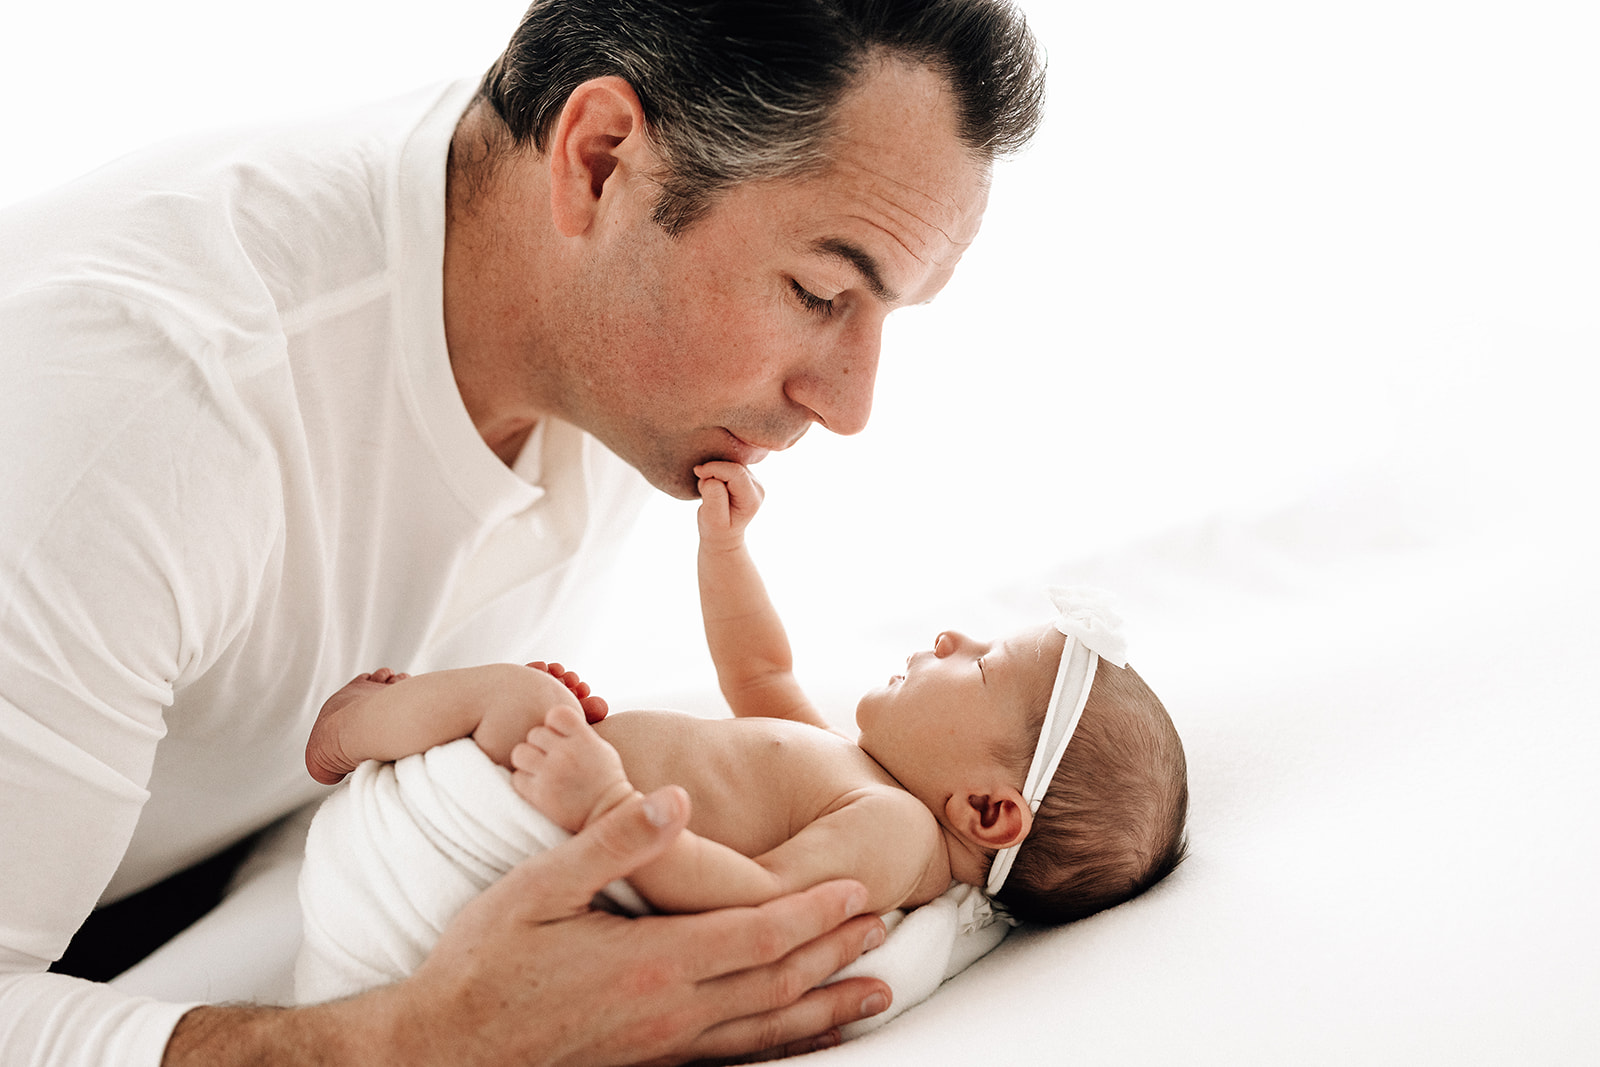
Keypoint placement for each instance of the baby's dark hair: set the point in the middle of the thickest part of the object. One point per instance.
(1111, 824)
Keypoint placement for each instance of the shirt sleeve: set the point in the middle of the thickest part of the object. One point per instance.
(126, 563)
(50, 1020)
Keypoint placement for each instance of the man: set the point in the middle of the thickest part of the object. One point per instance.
(285, 405)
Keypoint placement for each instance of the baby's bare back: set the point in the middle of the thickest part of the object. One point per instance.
(753, 783)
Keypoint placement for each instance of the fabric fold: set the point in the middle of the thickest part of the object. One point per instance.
(398, 850)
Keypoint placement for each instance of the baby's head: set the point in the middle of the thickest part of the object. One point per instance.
(1110, 823)
(976, 731)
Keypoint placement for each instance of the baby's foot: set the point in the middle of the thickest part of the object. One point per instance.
(324, 758)
(594, 708)
(567, 771)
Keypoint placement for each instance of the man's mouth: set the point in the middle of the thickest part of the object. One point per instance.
(772, 443)
(745, 452)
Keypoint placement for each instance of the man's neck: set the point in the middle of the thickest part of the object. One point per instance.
(488, 339)
(507, 441)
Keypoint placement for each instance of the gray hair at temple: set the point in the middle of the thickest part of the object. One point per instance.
(745, 90)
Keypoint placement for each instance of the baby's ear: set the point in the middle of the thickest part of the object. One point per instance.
(993, 820)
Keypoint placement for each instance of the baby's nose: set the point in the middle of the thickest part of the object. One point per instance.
(957, 640)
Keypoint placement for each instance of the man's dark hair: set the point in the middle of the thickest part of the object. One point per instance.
(742, 90)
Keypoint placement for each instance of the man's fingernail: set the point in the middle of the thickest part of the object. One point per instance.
(874, 938)
(874, 1004)
(657, 810)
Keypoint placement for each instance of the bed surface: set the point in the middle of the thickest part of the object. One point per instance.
(1395, 830)
(1387, 693)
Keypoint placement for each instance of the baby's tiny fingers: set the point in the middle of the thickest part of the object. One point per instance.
(525, 757)
(542, 739)
(526, 786)
(564, 721)
(713, 491)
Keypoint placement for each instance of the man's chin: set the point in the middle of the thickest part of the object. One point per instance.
(677, 482)
(676, 486)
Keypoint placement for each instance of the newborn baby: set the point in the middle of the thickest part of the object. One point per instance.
(962, 771)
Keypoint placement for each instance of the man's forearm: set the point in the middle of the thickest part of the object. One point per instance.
(354, 1032)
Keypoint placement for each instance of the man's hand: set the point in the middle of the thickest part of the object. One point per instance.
(729, 498)
(528, 974)
(567, 771)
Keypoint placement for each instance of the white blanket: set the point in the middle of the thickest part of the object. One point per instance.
(397, 851)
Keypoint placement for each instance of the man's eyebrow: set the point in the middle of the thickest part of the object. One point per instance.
(862, 261)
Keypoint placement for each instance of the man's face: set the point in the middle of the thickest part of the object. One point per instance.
(729, 340)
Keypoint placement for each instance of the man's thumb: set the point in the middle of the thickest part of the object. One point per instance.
(562, 881)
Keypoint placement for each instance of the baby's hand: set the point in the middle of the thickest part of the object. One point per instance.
(594, 708)
(729, 498)
(567, 771)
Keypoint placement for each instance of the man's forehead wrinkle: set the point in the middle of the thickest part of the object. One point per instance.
(891, 233)
(905, 227)
(878, 179)
(839, 248)
(879, 186)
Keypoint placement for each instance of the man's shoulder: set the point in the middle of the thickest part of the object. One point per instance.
(232, 229)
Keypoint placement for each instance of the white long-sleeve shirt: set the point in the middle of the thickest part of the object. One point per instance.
(235, 471)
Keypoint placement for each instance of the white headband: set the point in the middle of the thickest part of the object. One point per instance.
(1093, 632)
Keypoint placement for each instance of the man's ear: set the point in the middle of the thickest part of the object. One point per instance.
(992, 820)
(599, 134)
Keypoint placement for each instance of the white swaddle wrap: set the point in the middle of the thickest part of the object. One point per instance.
(399, 849)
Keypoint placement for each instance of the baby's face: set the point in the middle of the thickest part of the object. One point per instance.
(956, 706)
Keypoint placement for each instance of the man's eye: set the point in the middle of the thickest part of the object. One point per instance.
(810, 301)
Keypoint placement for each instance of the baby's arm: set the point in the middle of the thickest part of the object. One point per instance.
(884, 839)
(386, 716)
(749, 647)
(574, 776)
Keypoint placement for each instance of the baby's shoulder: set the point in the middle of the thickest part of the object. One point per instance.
(888, 839)
(888, 805)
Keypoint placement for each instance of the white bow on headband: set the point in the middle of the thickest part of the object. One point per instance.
(1093, 632)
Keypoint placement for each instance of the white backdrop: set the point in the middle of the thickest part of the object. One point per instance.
(1257, 247)
(1285, 326)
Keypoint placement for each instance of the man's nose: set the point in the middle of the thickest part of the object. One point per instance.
(838, 388)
